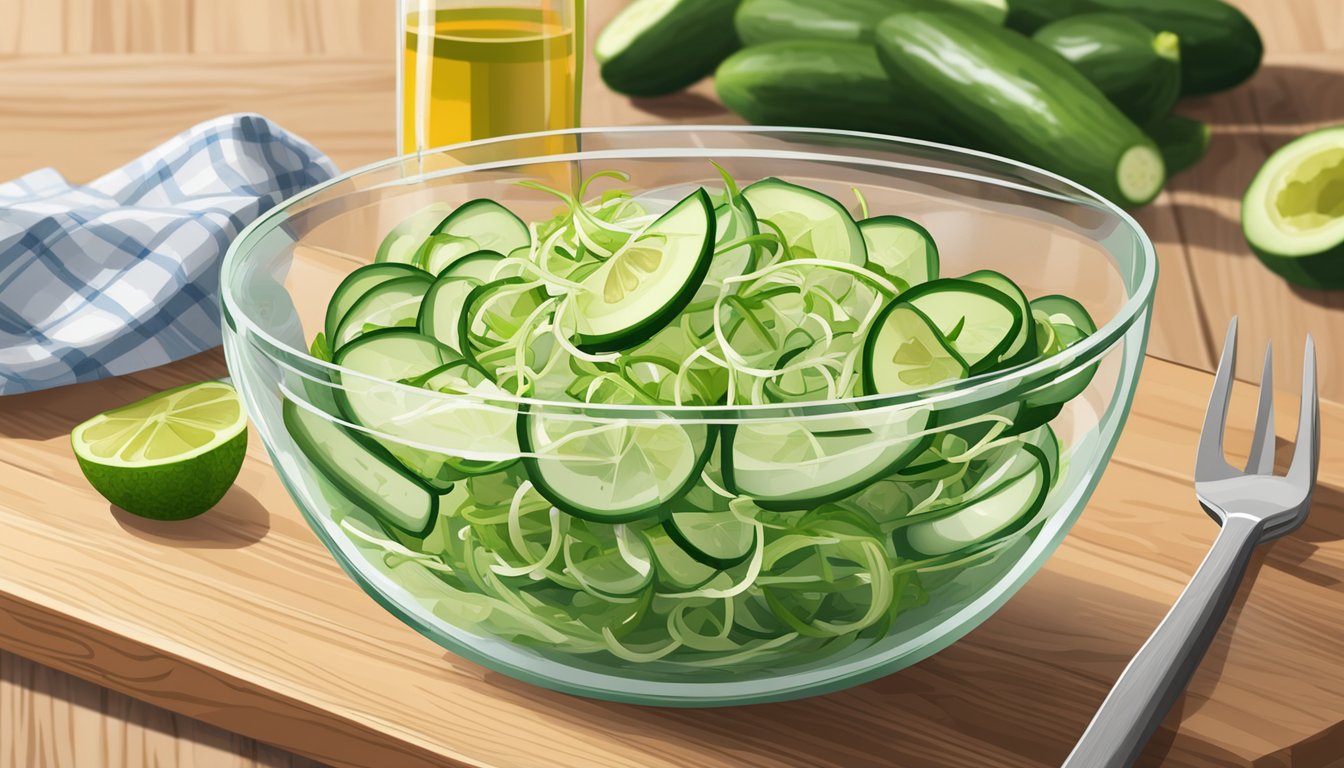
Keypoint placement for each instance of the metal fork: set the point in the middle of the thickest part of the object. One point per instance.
(1253, 506)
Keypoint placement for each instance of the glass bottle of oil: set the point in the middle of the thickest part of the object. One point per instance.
(474, 69)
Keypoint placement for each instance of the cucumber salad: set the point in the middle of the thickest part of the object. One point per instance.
(552, 504)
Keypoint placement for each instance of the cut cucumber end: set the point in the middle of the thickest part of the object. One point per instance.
(622, 32)
(1140, 174)
(1167, 45)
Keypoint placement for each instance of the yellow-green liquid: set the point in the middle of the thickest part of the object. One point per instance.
(493, 72)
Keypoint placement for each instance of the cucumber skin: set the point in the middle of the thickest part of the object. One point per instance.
(818, 84)
(1220, 47)
(851, 21)
(1117, 55)
(1182, 140)
(682, 49)
(1012, 97)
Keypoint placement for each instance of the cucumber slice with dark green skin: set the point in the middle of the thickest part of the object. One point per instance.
(1220, 47)
(819, 84)
(480, 265)
(613, 471)
(900, 250)
(1008, 98)
(1069, 323)
(649, 281)
(405, 239)
(979, 321)
(717, 539)
(674, 569)
(382, 488)
(1293, 214)
(813, 224)
(852, 21)
(1002, 511)
(905, 351)
(358, 283)
(1023, 348)
(1139, 69)
(784, 465)
(491, 314)
(476, 225)
(607, 562)
(441, 311)
(656, 47)
(391, 304)
(1182, 141)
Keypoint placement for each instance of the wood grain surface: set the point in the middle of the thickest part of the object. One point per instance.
(87, 84)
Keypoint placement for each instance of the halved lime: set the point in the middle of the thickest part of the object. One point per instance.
(168, 457)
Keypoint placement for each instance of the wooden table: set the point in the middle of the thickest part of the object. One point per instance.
(321, 67)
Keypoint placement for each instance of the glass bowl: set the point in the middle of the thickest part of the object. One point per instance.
(802, 619)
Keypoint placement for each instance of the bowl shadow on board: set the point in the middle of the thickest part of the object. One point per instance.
(237, 521)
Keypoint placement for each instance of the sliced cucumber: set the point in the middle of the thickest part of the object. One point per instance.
(1293, 213)
(1023, 347)
(906, 351)
(475, 226)
(356, 285)
(607, 561)
(493, 314)
(649, 281)
(1004, 510)
(442, 309)
(381, 488)
(783, 464)
(813, 224)
(611, 471)
(900, 250)
(717, 539)
(404, 241)
(1069, 324)
(480, 265)
(979, 322)
(394, 303)
(674, 569)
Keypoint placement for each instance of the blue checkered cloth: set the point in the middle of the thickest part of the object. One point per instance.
(123, 274)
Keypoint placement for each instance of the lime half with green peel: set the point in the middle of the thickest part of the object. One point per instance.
(1293, 214)
(168, 457)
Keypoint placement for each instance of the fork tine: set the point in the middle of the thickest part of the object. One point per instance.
(1261, 461)
(1209, 461)
(1307, 455)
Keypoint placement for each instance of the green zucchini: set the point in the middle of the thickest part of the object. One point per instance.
(656, 47)
(1220, 47)
(818, 84)
(1181, 140)
(1014, 99)
(1293, 214)
(851, 21)
(1138, 69)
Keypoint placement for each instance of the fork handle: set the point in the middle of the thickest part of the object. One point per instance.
(1162, 668)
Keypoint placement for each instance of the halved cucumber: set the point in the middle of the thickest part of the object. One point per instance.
(900, 250)
(978, 321)
(649, 281)
(1004, 510)
(475, 226)
(1293, 213)
(356, 285)
(674, 569)
(717, 539)
(406, 238)
(611, 470)
(472, 437)
(798, 464)
(480, 265)
(609, 562)
(443, 306)
(906, 351)
(379, 487)
(813, 224)
(391, 304)
(1023, 346)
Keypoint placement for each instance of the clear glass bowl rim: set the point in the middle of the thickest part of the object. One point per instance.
(967, 390)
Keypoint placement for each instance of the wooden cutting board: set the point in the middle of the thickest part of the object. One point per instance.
(241, 619)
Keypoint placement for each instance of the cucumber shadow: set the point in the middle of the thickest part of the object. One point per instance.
(1288, 95)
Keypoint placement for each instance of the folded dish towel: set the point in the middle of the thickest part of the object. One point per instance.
(123, 274)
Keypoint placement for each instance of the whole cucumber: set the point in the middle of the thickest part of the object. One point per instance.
(656, 47)
(768, 21)
(1138, 69)
(1181, 140)
(1220, 47)
(1012, 97)
(818, 84)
